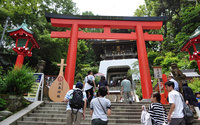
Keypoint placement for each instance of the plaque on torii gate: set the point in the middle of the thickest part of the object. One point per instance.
(59, 87)
(107, 23)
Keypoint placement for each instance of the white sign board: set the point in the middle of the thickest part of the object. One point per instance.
(157, 72)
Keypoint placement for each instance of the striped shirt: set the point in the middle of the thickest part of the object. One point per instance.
(157, 113)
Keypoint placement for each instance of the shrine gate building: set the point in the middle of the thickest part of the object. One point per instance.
(137, 24)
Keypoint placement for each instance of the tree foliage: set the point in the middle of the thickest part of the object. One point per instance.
(195, 85)
(183, 19)
(52, 50)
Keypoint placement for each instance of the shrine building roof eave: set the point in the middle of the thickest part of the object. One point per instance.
(125, 18)
(194, 36)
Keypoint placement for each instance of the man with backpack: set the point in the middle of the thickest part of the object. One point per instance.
(76, 104)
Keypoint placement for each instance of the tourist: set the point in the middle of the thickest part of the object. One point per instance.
(197, 94)
(100, 108)
(175, 115)
(133, 90)
(157, 111)
(103, 82)
(89, 87)
(73, 114)
(126, 89)
(190, 98)
(176, 87)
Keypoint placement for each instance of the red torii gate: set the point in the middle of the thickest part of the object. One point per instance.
(107, 23)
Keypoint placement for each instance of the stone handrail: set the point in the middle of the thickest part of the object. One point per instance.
(13, 118)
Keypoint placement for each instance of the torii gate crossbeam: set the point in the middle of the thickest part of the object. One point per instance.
(139, 24)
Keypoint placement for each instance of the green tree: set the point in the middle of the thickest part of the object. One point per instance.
(134, 71)
(51, 49)
(183, 19)
(194, 84)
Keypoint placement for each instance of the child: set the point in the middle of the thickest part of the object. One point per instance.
(197, 94)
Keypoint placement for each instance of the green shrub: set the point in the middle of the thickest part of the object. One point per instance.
(18, 81)
(2, 104)
(2, 84)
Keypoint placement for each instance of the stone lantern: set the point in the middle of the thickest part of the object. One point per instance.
(192, 46)
(24, 43)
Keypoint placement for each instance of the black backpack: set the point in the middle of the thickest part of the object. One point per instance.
(76, 102)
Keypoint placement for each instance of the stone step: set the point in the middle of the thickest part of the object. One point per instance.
(113, 109)
(87, 112)
(113, 103)
(87, 119)
(44, 119)
(63, 123)
(124, 112)
(113, 124)
(121, 120)
(39, 123)
(47, 115)
(87, 115)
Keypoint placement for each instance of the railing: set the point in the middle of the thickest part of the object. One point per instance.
(40, 88)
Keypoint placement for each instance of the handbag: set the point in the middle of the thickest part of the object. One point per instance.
(188, 113)
(145, 117)
(90, 82)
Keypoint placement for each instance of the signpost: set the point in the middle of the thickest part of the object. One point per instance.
(158, 74)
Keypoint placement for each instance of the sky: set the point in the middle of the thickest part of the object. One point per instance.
(109, 7)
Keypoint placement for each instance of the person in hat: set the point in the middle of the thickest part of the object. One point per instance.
(74, 113)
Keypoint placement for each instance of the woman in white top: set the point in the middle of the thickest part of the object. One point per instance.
(88, 88)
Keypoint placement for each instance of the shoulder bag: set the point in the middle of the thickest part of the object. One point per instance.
(103, 111)
(188, 113)
(102, 106)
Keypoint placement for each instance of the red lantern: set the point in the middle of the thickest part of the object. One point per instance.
(25, 42)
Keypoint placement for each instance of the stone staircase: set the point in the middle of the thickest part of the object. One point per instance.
(51, 113)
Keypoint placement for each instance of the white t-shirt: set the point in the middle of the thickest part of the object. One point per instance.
(175, 84)
(175, 97)
(87, 85)
(98, 111)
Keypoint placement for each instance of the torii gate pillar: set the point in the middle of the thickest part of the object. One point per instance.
(71, 56)
(108, 23)
(143, 64)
